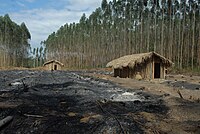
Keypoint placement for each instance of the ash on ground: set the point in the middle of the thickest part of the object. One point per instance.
(68, 102)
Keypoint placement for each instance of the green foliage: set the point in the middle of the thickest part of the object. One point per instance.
(186, 71)
(122, 27)
(14, 45)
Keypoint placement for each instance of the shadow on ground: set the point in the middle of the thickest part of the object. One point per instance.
(67, 102)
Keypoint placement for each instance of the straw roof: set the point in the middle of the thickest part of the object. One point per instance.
(51, 61)
(135, 59)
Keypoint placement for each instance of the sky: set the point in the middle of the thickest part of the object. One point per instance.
(42, 17)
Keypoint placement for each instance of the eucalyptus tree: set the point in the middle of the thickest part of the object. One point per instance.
(120, 27)
(14, 43)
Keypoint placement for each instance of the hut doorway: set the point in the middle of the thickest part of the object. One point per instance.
(55, 67)
(157, 70)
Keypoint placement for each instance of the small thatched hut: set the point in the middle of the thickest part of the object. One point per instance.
(53, 65)
(149, 65)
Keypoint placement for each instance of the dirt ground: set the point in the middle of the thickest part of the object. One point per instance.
(60, 102)
(89, 102)
(180, 93)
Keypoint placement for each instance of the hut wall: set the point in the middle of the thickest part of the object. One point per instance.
(125, 72)
(59, 67)
(146, 69)
(141, 68)
(48, 66)
(51, 66)
(162, 71)
(131, 73)
(149, 69)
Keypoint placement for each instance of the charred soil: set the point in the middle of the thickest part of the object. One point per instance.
(179, 93)
(69, 102)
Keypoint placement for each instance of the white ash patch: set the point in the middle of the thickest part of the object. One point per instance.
(16, 83)
(127, 96)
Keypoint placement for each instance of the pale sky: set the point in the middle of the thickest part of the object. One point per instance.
(42, 17)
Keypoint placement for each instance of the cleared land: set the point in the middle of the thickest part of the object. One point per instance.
(183, 115)
(94, 102)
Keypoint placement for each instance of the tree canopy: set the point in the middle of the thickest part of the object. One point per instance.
(122, 27)
(14, 43)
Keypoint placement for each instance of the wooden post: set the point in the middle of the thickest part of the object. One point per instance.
(127, 72)
(5, 121)
(164, 71)
(152, 68)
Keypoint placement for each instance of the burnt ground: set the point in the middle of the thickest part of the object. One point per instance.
(181, 95)
(69, 102)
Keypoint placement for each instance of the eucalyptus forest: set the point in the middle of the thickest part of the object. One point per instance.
(117, 28)
(121, 27)
(14, 43)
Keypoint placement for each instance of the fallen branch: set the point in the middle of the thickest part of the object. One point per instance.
(25, 86)
(113, 116)
(6, 121)
(156, 131)
(180, 94)
(30, 115)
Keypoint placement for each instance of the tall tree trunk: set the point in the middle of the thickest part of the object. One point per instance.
(193, 38)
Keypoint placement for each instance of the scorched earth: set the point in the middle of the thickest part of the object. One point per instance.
(70, 102)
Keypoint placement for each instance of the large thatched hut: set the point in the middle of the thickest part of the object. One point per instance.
(53, 65)
(149, 65)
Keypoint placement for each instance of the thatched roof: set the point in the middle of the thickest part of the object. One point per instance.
(51, 61)
(135, 59)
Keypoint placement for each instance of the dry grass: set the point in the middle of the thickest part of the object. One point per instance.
(86, 118)
(13, 68)
(37, 68)
(22, 68)
(72, 114)
(8, 105)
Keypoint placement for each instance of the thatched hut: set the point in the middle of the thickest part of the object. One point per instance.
(149, 65)
(53, 65)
